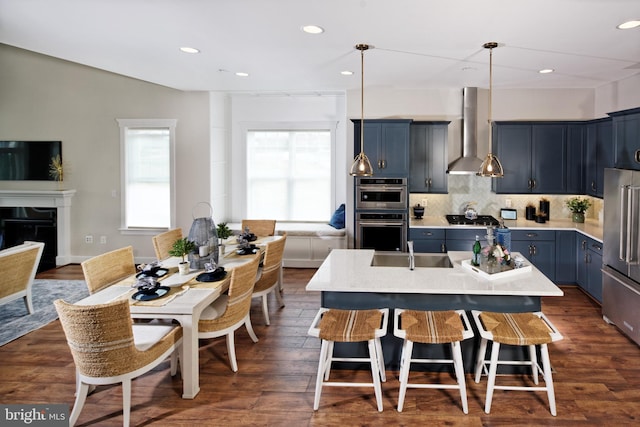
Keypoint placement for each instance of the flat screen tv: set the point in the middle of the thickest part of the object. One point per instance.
(28, 160)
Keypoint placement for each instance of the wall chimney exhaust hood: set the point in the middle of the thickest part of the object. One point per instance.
(469, 163)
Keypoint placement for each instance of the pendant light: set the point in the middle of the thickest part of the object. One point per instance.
(491, 166)
(361, 165)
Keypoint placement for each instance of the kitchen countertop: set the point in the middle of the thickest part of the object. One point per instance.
(590, 228)
(350, 270)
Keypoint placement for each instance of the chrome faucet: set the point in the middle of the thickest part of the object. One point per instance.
(412, 260)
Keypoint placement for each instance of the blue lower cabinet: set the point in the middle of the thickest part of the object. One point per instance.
(428, 240)
(566, 271)
(539, 247)
(594, 266)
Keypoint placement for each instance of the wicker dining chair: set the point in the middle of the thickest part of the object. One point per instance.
(271, 278)
(106, 269)
(260, 227)
(230, 312)
(163, 242)
(108, 349)
(19, 265)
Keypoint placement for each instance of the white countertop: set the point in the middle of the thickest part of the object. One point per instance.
(350, 270)
(590, 228)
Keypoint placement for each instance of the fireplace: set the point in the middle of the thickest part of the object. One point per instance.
(40, 215)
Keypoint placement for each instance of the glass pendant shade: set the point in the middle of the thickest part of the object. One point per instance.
(491, 167)
(361, 166)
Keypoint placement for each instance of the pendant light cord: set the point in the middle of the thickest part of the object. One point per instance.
(361, 100)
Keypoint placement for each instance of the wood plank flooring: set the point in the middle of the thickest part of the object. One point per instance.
(597, 377)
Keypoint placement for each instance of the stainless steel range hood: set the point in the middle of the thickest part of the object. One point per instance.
(469, 163)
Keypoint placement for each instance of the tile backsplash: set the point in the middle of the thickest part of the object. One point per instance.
(470, 188)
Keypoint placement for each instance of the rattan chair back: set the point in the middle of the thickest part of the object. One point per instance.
(163, 242)
(240, 290)
(19, 265)
(260, 227)
(101, 341)
(272, 264)
(106, 269)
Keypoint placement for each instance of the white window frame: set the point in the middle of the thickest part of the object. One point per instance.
(146, 123)
(246, 127)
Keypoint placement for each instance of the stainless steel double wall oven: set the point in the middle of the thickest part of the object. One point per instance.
(381, 213)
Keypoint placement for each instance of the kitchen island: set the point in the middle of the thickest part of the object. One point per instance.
(347, 280)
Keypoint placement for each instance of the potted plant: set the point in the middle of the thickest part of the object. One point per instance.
(224, 232)
(578, 206)
(181, 248)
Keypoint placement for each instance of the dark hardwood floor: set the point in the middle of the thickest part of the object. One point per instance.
(597, 377)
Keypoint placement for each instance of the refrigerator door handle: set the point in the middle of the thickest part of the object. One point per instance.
(622, 222)
(632, 226)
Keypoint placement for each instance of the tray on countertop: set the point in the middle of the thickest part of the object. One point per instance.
(509, 271)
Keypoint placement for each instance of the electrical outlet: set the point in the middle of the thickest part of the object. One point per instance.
(88, 238)
(507, 203)
(103, 240)
(424, 203)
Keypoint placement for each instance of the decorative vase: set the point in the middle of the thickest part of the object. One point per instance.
(183, 268)
(578, 217)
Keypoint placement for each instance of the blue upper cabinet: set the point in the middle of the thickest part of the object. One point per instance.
(533, 156)
(386, 143)
(599, 154)
(626, 138)
(428, 157)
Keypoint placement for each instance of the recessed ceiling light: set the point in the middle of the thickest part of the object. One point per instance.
(312, 29)
(628, 25)
(346, 73)
(242, 74)
(189, 50)
(546, 71)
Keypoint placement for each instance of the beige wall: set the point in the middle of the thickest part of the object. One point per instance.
(47, 98)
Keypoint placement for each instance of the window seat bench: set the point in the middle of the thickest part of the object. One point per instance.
(308, 243)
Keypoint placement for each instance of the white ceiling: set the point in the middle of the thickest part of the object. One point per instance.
(418, 43)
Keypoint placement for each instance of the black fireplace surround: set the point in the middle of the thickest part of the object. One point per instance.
(18, 224)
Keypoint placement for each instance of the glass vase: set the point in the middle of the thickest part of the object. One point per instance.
(578, 217)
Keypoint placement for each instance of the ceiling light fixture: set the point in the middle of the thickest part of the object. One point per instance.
(312, 29)
(491, 166)
(346, 73)
(186, 49)
(242, 74)
(361, 165)
(628, 25)
(546, 71)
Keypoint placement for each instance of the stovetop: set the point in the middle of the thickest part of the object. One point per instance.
(481, 220)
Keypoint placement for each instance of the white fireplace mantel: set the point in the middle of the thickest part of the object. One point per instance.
(60, 199)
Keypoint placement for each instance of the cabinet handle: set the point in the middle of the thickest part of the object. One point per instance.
(530, 250)
(429, 183)
(636, 156)
(593, 185)
(596, 247)
(443, 248)
(533, 184)
(529, 184)
(384, 164)
(586, 258)
(532, 234)
(427, 233)
(534, 250)
(584, 245)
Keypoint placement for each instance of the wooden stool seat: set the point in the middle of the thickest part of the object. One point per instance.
(432, 327)
(518, 329)
(334, 325)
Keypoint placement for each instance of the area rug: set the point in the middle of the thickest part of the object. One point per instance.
(15, 320)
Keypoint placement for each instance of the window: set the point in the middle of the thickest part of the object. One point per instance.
(289, 174)
(147, 169)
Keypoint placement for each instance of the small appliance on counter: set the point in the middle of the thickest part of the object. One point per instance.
(508, 213)
(418, 211)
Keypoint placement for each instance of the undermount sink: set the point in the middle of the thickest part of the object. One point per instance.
(401, 259)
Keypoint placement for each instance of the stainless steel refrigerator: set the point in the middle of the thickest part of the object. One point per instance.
(621, 258)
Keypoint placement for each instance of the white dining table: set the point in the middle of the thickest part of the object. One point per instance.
(185, 308)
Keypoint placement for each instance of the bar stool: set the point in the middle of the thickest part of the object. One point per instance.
(334, 325)
(431, 327)
(518, 329)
